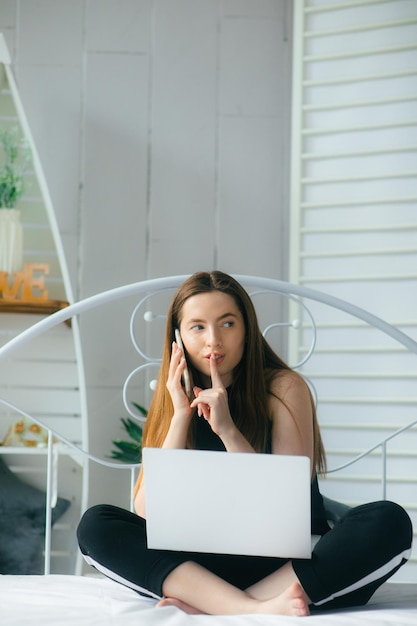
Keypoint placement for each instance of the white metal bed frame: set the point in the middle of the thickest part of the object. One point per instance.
(148, 287)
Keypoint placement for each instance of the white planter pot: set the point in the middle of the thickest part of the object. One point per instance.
(11, 241)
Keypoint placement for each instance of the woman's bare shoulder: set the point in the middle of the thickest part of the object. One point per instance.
(288, 382)
(291, 414)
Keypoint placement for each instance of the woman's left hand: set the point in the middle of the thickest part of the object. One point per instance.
(213, 403)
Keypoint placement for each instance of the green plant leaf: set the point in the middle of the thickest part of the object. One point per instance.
(130, 451)
(14, 161)
(126, 446)
(127, 452)
(126, 457)
(134, 429)
(141, 409)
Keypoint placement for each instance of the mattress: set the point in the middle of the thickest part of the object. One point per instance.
(91, 601)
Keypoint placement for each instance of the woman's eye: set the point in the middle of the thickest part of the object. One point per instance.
(196, 327)
(228, 324)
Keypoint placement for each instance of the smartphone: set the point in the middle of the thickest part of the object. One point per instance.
(186, 373)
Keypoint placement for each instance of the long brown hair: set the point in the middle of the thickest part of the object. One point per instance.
(252, 379)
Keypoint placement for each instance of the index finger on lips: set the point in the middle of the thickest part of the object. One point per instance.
(216, 380)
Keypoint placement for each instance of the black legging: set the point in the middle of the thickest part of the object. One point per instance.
(367, 546)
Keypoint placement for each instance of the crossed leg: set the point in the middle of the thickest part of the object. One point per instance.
(194, 589)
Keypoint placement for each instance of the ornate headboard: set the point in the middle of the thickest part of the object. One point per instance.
(361, 370)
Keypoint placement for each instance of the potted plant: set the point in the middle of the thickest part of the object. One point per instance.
(130, 451)
(14, 160)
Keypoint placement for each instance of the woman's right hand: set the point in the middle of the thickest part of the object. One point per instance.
(178, 429)
(180, 401)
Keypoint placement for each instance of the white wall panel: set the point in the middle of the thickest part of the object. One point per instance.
(55, 122)
(163, 129)
(57, 28)
(254, 8)
(118, 26)
(253, 110)
(114, 200)
(183, 105)
(250, 52)
(245, 244)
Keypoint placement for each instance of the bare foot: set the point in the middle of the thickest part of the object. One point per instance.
(180, 605)
(293, 601)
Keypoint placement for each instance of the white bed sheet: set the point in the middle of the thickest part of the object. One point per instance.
(88, 601)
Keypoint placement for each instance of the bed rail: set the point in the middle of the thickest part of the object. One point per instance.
(258, 287)
(53, 449)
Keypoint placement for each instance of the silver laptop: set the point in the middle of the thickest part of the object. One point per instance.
(227, 503)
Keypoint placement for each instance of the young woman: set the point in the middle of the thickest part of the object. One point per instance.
(245, 399)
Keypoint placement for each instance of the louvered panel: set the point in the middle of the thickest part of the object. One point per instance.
(354, 228)
(356, 435)
(374, 361)
(369, 489)
(347, 429)
(372, 217)
(363, 387)
(342, 115)
(400, 464)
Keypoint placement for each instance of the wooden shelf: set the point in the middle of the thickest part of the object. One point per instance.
(41, 307)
